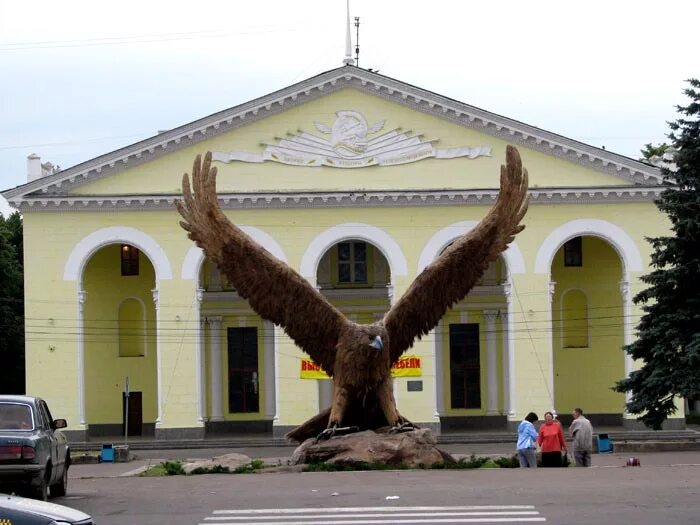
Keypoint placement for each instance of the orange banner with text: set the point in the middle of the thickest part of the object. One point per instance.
(407, 366)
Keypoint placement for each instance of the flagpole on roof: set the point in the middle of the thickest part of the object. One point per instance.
(348, 60)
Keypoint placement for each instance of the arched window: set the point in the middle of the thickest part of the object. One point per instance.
(132, 329)
(574, 319)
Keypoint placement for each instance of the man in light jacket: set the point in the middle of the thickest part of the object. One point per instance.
(527, 441)
(581, 432)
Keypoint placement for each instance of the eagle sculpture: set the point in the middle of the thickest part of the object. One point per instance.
(358, 357)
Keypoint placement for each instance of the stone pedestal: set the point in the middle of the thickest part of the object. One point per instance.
(416, 448)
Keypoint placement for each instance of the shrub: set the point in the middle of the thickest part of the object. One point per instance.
(508, 461)
(173, 468)
(216, 469)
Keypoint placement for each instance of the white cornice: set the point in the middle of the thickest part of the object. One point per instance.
(419, 99)
(339, 199)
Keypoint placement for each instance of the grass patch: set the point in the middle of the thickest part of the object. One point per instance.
(490, 463)
(167, 468)
(343, 467)
(464, 463)
(174, 468)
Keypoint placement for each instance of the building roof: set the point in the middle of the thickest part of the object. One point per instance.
(515, 132)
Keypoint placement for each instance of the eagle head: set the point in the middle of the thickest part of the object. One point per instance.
(377, 343)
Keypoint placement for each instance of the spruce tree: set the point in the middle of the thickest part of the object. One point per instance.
(668, 343)
(11, 306)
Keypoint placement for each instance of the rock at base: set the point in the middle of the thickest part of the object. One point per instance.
(416, 448)
(232, 461)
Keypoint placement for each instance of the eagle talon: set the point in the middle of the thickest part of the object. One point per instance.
(335, 430)
(406, 426)
(326, 434)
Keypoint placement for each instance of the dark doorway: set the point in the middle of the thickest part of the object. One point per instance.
(135, 413)
(243, 392)
(465, 367)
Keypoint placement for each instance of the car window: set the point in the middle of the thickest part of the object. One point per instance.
(45, 415)
(15, 416)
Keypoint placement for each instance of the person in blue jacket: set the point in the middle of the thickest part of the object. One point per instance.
(527, 442)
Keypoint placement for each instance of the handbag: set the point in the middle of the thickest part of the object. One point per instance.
(565, 460)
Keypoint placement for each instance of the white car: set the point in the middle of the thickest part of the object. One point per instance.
(25, 511)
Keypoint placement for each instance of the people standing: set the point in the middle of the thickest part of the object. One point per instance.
(581, 432)
(551, 441)
(527, 440)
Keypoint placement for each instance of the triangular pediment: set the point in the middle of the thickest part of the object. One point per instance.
(346, 129)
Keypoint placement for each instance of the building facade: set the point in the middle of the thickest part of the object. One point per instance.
(358, 181)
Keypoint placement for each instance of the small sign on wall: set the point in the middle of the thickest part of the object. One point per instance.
(414, 386)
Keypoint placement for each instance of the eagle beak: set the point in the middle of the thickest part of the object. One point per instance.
(377, 343)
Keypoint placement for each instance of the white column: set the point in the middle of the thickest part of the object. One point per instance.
(490, 317)
(627, 331)
(199, 354)
(439, 375)
(159, 360)
(550, 294)
(276, 332)
(504, 358)
(269, 352)
(216, 392)
(508, 292)
(82, 297)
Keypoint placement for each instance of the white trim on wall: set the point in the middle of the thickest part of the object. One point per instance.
(513, 256)
(194, 258)
(353, 231)
(90, 244)
(616, 236)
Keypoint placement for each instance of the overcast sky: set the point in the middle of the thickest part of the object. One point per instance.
(82, 78)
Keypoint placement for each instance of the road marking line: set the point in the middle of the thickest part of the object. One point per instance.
(377, 515)
(374, 509)
(393, 521)
(368, 515)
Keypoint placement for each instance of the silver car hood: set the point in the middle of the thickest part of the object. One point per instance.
(43, 508)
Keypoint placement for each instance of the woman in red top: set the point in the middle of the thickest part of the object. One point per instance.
(551, 441)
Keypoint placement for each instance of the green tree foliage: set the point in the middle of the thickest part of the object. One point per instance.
(11, 306)
(668, 341)
(649, 151)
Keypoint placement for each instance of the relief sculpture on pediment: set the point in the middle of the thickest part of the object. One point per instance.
(350, 142)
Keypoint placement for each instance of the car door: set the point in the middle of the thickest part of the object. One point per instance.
(53, 441)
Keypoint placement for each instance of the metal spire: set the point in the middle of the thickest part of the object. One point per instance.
(348, 60)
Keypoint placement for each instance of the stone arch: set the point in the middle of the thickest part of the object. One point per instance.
(90, 244)
(514, 264)
(616, 236)
(194, 258)
(129, 347)
(513, 256)
(589, 322)
(353, 230)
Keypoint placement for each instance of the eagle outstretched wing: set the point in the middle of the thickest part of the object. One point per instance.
(273, 289)
(450, 277)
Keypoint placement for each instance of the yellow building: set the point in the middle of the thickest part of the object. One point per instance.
(358, 181)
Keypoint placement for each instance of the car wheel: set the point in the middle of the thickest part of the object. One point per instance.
(59, 489)
(41, 491)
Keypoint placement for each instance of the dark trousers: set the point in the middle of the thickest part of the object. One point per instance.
(583, 458)
(551, 459)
